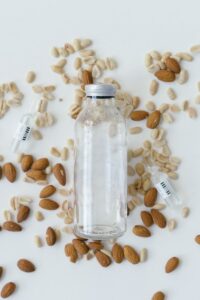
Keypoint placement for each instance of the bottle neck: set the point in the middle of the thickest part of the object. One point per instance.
(98, 101)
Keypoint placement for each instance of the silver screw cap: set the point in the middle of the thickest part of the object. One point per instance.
(100, 90)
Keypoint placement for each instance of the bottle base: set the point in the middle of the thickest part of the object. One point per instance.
(99, 232)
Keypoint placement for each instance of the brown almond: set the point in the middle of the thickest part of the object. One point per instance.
(139, 115)
(158, 218)
(50, 236)
(48, 204)
(25, 265)
(26, 162)
(141, 230)
(117, 253)
(95, 245)
(71, 252)
(131, 255)
(172, 64)
(1, 172)
(103, 259)
(146, 218)
(12, 226)
(150, 197)
(197, 239)
(9, 171)
(36, 175)
(40, 164)
(8, 289)
(87, 77)
(80, 246)
(1, 271)
(165, 75)
(47, 191)
(158, 296)
(23, 213)
(59, 173)
(171, 264)
(153, 119)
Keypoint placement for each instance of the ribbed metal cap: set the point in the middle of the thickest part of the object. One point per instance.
(100, 90)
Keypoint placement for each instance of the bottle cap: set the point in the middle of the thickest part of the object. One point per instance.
(100, 90)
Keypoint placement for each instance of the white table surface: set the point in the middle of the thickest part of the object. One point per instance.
(126, 31)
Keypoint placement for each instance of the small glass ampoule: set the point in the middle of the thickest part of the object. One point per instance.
(21, 139)
(165, 188)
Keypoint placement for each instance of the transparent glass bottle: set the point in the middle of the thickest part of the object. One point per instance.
(100, 166)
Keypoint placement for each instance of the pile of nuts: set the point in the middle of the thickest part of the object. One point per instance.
(154, 152)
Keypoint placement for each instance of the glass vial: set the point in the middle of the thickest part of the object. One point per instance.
(100, 166)
(165, 189)
(21, 139)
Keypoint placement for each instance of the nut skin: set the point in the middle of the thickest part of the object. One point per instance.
(146, 218)
(103, 259)
(165, 75)
(153, 119)
(8, 289)
(172, 264)
(139, 115)
(158, 218)
(158, 296)
(50, 236)
(172, 65)
(150, 197)
(10, 172)
(25, 265)
(117, 253)
(141, 231)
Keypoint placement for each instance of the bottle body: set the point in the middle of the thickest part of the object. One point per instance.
(100, 171)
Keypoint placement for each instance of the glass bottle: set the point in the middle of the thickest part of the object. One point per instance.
(100, 166)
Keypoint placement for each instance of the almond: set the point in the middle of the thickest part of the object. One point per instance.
(80, 246)
(8, 289)
(1, 172)
(48, 204)
(12, 226)
(71, 252)
(23, 213)
(172, 64)
(26, 162)
(47, 191)
(197, 239)
(40, 164)
(142, 231)
(26, 265)
(158, 296)
(171, 264)
(103, 259)
(117, 253)
(153, 119)
(165, 75)
(95, 245)
(36, 175)
(9, 171)
(158, 218)
(59, 173)
(139, 115)
(146, 218)
(1, 271)
(87, 77)
(131, 255)
(150, 197)
(50, 236)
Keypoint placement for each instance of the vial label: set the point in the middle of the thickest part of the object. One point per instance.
(164, 188)
(23, 132)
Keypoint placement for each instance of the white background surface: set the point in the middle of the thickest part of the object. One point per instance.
(126, 31)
